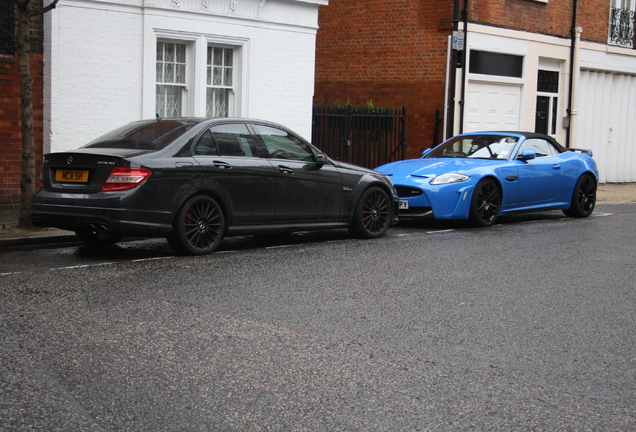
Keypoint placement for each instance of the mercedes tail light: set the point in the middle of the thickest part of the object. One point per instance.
(121, 179)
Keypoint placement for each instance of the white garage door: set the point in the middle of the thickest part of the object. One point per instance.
(607, 123)
(492, 107)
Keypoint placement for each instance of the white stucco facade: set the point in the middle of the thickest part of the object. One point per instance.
(100, 67)
(605, 89)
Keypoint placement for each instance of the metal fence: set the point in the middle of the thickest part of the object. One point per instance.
(363, 135)
(622, 22)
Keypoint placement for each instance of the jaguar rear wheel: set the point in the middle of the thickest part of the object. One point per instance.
(583, 198)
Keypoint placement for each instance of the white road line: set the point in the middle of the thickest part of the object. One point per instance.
(151, 259)
(82, 266)
(440, 231)
(284, 246)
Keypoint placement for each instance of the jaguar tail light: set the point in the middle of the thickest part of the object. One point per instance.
(122, 179)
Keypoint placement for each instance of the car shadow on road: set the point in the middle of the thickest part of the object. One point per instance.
(435, 224)
(139, 249)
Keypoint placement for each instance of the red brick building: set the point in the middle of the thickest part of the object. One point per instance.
(392, 53)
(10, 122)
(523, 67)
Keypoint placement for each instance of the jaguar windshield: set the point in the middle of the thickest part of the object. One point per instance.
(476, 147)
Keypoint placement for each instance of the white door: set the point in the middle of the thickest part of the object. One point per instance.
(492, 107)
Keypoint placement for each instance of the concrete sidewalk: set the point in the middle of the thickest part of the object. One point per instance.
(10, 235)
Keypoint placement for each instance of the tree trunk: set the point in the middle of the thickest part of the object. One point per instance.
(27, 181)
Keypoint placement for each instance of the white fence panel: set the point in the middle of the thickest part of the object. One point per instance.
(607, 123)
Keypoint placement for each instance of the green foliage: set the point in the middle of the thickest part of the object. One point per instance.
(368, 108)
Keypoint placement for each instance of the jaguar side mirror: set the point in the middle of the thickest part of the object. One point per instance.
(527, 154)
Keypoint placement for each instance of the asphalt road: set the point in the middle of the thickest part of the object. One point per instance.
(526, 326)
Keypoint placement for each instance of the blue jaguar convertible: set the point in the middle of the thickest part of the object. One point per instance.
(481, 176)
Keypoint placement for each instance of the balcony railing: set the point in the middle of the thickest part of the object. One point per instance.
(622, 27)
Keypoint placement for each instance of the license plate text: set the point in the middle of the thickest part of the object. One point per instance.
(77, 176)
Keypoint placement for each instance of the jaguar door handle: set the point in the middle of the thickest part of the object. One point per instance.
(556, 166)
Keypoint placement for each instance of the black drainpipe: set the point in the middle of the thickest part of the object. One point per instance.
(572, 47)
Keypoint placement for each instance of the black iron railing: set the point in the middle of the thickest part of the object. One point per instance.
(622, 27)
(368, 136)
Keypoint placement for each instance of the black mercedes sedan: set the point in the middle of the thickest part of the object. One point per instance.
(196, 180)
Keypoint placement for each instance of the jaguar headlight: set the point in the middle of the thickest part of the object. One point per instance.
(449, 178)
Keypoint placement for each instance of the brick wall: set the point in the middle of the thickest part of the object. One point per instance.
(392, 53)
(10, 123)
(552, 18)
(593, 16)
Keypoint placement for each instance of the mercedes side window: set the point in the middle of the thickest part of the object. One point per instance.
(234, 139)
(205, 146)
(540, 146)
(283, 145)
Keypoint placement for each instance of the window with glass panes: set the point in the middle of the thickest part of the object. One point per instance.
(547, 102)
(171, 78)
(219, 91)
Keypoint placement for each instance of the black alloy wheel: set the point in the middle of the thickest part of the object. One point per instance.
(583, 198)
(485, 204)
(373, 214)
(198, 227)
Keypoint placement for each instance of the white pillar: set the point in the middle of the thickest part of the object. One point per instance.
(576, 75)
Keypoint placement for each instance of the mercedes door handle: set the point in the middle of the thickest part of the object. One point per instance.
(222, 165)
(556, 166)
(285, 170)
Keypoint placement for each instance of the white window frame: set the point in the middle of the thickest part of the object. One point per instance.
(231, 88)
(552, 66)
(194, 103)
(552, 99)
(184, 84)
(240, 82)
(624, 4)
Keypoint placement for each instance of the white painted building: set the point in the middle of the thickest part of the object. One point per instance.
(532, 91)
(109, 62)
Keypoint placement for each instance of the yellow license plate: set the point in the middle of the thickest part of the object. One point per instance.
(77, 176)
